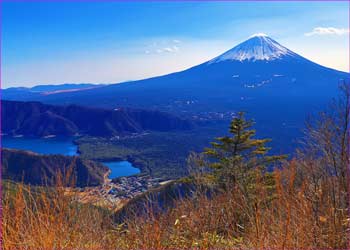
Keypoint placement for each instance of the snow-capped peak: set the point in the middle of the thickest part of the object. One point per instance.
(257, 47)
(258, 34)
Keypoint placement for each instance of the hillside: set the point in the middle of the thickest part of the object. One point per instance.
(37, 119)
(36, 169)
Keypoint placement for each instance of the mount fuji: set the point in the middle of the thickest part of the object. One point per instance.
(254, 70)
(273, 84)
(258, 47)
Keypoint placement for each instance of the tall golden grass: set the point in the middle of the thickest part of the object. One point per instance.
(46, 218)
(290, 215)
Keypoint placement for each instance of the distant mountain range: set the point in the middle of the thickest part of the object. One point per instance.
(39, 90)
(36, 169)
(37, 119)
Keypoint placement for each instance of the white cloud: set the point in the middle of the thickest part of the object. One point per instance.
(168, 49)
(164, 46)
(327, 31)
(172, 49)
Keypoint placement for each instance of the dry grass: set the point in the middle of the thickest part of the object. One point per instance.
(290, 214)
(45, 218)
(282, 219)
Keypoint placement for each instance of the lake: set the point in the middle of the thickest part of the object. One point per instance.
(121, 168)
(53, 145)
(64, 146)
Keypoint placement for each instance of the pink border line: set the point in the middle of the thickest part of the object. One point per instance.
(8, 1)
(1, 230)
(174, 1)
(348, 132)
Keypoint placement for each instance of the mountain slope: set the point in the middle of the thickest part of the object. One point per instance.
(37, 119)
(36, 169)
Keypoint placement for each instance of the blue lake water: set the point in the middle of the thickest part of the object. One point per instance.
(121, 168)
(53, 145)
(64, 146)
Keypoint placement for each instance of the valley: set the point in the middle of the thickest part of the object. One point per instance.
(116, 181)
(113, 195)
(153, 153)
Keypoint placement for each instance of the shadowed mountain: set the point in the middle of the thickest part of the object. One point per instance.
(36, 169)
(37, 119)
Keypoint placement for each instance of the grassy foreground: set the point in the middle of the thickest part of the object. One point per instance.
(293, 215)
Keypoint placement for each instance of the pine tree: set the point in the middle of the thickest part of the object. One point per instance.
(233, 156)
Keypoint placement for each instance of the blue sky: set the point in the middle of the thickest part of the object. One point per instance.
(108, 42)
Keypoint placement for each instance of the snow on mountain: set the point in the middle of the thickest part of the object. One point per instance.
(257, 47)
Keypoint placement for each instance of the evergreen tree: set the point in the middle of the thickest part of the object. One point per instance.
(235, 155)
